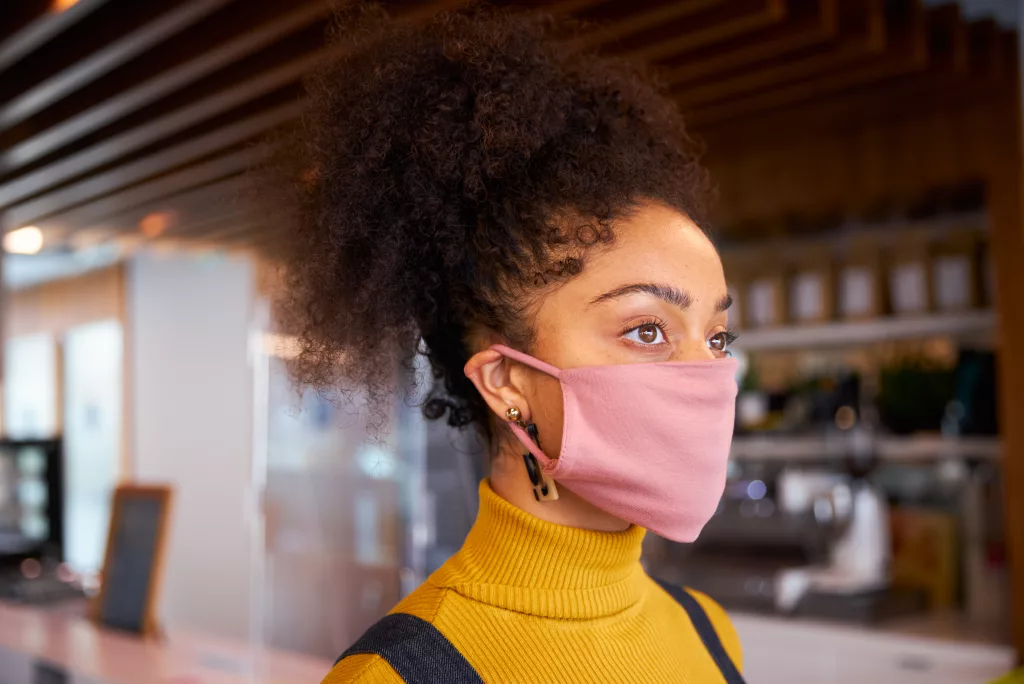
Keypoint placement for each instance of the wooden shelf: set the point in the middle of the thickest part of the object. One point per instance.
(865, 332)
(893, 449)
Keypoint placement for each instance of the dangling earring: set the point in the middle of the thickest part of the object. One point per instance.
(543, 486)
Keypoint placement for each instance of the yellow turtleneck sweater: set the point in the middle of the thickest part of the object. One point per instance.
(529, 601)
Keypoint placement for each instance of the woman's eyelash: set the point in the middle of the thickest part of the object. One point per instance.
(653, 321)
(730, 336)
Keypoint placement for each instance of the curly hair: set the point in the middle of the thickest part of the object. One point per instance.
(447, 173)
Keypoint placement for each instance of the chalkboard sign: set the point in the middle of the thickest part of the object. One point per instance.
(50, 673)
(131, 571)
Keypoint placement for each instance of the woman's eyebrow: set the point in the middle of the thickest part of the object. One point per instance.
(672, 295)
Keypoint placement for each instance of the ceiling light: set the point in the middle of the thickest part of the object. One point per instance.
(153, 225)
(61, 5)
(89, 237)
(27, 240)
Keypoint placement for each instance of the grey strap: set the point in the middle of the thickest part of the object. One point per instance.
(420, 654)
(706, 631)
(416, 650)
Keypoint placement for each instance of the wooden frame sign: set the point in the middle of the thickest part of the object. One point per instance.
(133, 566)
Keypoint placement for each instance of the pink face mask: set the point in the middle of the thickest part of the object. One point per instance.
(646, 442)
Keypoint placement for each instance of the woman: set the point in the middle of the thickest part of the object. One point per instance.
(531, 218)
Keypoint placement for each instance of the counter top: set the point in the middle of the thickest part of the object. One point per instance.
(56, 639)
(947, 626)
(39, 644)
(932, 649)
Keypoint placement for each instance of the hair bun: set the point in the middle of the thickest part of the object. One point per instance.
(428, 186)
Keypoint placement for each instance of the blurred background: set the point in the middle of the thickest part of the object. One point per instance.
(868, 160)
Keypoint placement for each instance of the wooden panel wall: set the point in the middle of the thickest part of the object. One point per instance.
(772, 169)
(59, 305)
(56, 306)
(1006, 183)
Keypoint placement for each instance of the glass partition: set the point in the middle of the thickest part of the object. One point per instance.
(352, 517)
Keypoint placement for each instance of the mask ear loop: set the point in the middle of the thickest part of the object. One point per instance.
(544, 488)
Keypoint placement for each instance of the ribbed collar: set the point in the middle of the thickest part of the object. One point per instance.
(515, 561)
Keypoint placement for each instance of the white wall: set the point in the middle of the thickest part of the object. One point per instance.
(191, 397)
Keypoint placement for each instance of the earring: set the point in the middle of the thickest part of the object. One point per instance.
(544, 488)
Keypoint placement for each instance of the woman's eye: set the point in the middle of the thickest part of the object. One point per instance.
(648, 333)
(720, 342)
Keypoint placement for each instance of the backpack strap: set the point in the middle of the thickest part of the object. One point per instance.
(706, 630)
(416, 650)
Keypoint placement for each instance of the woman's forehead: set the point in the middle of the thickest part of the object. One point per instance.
(662, 244)
(656, 246)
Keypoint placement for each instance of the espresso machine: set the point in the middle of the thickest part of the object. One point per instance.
(801, 537)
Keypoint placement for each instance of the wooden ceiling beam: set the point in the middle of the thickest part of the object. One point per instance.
(191, 205)
(767, 79)
(103, 113)
(899, 98)
(46, 25)
(198, 213)
(1009, 49)
(20, 16)
(570, 7)
(800, 32)
(843, 55)
(828, 85)
(100, 62)
(143, 185)
(206, 224)
(949, 45)
(422, 11)
(644, 20)
(984, 48)
(870, 40)
(239, 224)
(256, 237)
(735, 18)
(908, 52)
(118, 146)
(150, 193)
(224, 221)
(138, 171)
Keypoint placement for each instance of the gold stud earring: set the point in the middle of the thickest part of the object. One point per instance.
(513, 414)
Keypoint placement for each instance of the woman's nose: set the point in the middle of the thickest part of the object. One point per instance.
(693, 350)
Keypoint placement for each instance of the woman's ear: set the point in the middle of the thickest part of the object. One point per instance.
(490, 373)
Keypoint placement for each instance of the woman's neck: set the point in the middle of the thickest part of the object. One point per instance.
(515, 561)
(510, 481)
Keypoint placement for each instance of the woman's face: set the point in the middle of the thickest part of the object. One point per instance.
(657, 293)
